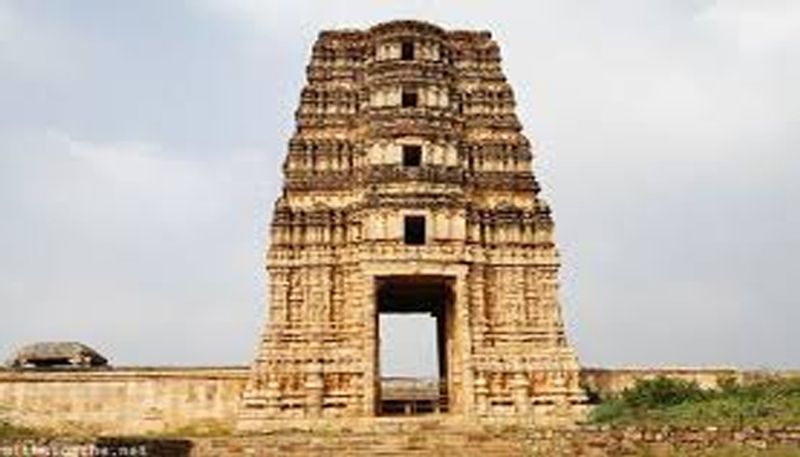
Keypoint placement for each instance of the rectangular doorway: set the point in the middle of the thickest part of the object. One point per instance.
(413, 325)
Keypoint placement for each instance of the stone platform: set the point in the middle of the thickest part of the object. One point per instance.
(437, 436)
(447, 437)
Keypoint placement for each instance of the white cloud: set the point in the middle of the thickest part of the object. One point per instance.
(143, 168)
(757, 26)
(117, 241)
(33, 48)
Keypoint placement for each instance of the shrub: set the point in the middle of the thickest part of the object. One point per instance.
(662, 392)
(8, 430)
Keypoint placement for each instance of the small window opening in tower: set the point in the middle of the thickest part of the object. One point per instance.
(412, 156)
(409, 98)
(414, 230)
(407, 50)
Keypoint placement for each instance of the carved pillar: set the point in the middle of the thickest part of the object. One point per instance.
(273, 396)
(477, 315)
(520, 392)
(481, 395)
(464, 352)
(371, 383)
(314, 386)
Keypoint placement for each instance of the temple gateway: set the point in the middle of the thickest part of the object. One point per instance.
(409, 189)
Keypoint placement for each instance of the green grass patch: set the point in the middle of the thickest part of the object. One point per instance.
(10, 431)
(768, 402)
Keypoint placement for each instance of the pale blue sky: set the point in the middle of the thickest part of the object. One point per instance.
(141, 142)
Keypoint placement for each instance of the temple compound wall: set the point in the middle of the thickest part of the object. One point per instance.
(205, 400)
(131, 401)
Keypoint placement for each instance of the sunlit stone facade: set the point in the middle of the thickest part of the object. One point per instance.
(409, 186)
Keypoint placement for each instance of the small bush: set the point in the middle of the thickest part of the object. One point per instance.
(593, 395)
(662, 392)
(199, 428)
(8, 430)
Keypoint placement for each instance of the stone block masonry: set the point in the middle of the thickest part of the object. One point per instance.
(440, 437)
(429, 438)
(201, 400)
(128, 401)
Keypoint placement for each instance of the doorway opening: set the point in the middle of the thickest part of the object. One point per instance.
(414, 324)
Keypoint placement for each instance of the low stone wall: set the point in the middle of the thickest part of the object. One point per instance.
(615, 380)
(429, 438)
(437, 437)
(122, 400)
(667, 441)
(140, 400)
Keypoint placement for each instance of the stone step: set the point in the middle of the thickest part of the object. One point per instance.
(384, 438)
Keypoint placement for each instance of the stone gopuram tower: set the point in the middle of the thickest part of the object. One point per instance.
(409, 188)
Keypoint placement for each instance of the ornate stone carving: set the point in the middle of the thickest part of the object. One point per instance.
(337, 232)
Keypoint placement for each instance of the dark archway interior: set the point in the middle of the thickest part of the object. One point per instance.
(432, 295)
